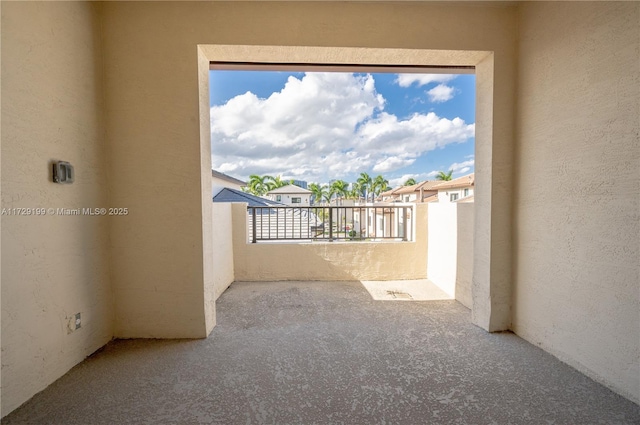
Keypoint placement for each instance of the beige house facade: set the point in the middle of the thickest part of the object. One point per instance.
(456, 190)
(120, 90)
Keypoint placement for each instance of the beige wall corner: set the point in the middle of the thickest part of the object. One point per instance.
(54, 266)
(443, 238)
(212, 273)
(491, 282)
(161, 251)
(222, 256)
(577, 206)
(450, 264)
(465, 253)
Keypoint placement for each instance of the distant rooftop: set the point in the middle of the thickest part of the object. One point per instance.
(230, 179)
(464, 181)
(290, 188)
(233, 195)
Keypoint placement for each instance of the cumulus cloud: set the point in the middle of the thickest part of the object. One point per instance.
(399, 181)
(462, 167)
(440, 93)
(405, 80)
(392, 163)
(323, 125)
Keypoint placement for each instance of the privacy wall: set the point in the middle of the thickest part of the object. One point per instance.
(578, 187)
(329, 260)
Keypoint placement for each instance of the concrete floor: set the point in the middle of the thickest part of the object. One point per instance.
(327, 353)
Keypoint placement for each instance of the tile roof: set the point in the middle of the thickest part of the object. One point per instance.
(463, 181)
(233, 195)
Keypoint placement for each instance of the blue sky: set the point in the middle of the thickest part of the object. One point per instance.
(323, 126)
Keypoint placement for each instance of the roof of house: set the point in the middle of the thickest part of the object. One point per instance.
(389, 192)
(233, 195)
(290, 188)
(230, 179)
(426, 186)
(464, 181)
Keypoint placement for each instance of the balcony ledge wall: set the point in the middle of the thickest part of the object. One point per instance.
(327, 260)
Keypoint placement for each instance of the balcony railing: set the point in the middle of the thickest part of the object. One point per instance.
(331, 223)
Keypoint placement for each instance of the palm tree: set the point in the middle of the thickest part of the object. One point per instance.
(364, 182)
(257, 185)
(340, 188)
(380, 184)
(355, 191)
(410, 182)
(276, 182)
(444, 176)
(319, 192)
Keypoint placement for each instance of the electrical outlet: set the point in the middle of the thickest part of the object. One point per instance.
(74, 322)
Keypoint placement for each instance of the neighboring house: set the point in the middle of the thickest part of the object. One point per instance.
(418, 192)
(220, 180)
(291, 195)
(382, 219)
(455, 190)
(274, 222)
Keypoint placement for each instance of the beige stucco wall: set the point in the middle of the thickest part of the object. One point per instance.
(52, 266)
(328, 260)
(161, 251)
(443, 240)
(577, 208)
(465, 253)
(152, 79)
(576, 246)
(223, 262)
(450, 254)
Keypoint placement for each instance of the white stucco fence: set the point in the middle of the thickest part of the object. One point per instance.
(450, 253)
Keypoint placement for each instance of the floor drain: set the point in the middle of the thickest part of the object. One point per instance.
(399, 295)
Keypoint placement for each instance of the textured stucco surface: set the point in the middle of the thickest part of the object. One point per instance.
(443, 239)
(465, 254)
(575, 251)
(450, 249)
(52, 266)
(328, 260)
(223, 262)
(153, 69)
(327, 353)
(577, 211)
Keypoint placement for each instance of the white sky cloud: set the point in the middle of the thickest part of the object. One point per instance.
(440, 93)
(324, 124)
(405, 80)
(392, 163)
(462, 167)
(420, 177)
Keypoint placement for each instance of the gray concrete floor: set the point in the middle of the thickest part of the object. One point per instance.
(327, 353)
